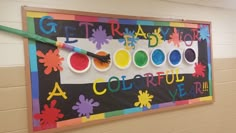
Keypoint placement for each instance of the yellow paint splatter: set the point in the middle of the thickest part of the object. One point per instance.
(144, 99)
(157, 33)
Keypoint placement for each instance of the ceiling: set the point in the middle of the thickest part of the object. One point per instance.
(225, 4)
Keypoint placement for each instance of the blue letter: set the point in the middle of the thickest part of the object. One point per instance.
(164, 33)
(182, 93)
(123, 84)
(67, 30)
(52, 24)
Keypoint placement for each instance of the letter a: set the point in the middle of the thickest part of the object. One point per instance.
(59, 93)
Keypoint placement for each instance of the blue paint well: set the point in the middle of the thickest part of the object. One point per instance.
(175, 57)
(158, 57)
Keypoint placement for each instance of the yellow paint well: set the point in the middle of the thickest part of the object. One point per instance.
(122, 58)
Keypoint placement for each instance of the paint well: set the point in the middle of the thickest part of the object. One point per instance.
(189, 55)
(141, 58)
(78, 63)
(158, 57)
(175, 57)
(101, 66)
(122, 58)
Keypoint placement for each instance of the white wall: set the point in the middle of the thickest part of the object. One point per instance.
(223, 29)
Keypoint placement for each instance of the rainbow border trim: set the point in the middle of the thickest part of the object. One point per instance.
(34, 72)
(100, 19)
(102, 116)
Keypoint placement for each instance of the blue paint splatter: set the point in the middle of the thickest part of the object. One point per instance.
(175, 57)
(204, 33)
(158, 57)
(132, 39)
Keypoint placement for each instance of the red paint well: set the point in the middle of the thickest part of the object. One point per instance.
(79, 61)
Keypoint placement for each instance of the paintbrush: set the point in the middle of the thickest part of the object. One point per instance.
(105, 59)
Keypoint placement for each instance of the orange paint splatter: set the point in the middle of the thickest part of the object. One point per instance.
(175, 38)
(51, 60)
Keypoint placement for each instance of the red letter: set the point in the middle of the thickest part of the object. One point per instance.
(115, 29)
(149, 80)
(191, 39)
(86, 27)
(198, 87)
(195, 34)
(160, 77)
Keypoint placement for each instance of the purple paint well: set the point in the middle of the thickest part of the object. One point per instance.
(190, 55)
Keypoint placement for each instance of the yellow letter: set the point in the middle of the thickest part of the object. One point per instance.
(140, 32)
(172, 80)
(177, 76)
(95, 88)
(59, 93)
(127, 42)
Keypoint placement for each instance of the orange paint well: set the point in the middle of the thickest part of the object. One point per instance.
(101, 66)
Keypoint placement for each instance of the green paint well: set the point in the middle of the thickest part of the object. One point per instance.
(140, 58)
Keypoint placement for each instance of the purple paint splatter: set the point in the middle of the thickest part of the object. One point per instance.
(85, 106)
(99, 37)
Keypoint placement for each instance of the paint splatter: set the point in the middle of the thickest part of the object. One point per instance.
(175, 38)
(85, 106)
(49, 116)
(144, 99)
(204, 33)
(159, 37)
(99, 37)
(51, 60)
(199, 70)
(129, 40)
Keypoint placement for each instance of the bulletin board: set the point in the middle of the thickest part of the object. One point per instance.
(155, 65)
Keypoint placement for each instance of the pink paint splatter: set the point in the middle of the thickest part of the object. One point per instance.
(175, 38)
